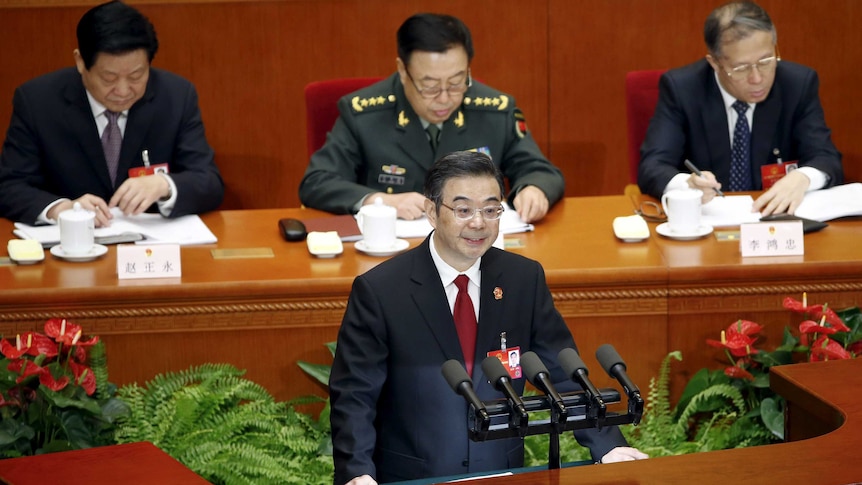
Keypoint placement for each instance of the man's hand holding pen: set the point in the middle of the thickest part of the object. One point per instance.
(705, 181)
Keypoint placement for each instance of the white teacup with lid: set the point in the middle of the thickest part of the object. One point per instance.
(77, 230)
(377, 223)
(682, 207)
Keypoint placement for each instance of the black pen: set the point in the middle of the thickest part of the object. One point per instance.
(700, 174)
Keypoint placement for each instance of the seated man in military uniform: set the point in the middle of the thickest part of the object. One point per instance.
(389, 134)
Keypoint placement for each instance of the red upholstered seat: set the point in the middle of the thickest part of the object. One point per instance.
(641, 98)
(321, 109)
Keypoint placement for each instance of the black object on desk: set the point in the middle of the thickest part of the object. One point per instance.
(808, 225)
(292, 229)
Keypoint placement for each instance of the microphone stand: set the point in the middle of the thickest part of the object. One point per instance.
(554, 436)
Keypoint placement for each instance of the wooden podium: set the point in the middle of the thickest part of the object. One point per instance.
(130, 464)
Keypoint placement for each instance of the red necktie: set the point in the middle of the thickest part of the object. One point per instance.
(465, 321)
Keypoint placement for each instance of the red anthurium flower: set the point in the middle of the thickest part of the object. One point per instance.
(42, 345)
(832, 318)
(744, 327)
(84, 377)
(61, 330)
(29, 368)
(810, 326)
(794, 305)
(738, 344)
(855, 348)
(10, 350)
(47, 380)
(738, 373)
(825, 349)
(87, 343)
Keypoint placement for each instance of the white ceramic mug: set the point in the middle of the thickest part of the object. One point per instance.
(77, 229)
(377, 223)
(682, 207)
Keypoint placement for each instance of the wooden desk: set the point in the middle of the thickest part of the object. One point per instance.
(130, 464)
(829, 390)
(265, 314)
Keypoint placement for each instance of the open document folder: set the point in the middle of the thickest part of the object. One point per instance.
(510, 223)
(185, 230)
(825, 205)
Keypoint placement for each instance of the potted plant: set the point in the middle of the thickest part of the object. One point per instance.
(54, 392)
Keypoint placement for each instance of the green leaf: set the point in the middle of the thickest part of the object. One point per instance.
(79, 400)
(331, 347)
(317, 371)
(772, 414)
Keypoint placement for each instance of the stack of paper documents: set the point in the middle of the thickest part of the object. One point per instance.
(825, 205)
(731, 210)
(186, 230)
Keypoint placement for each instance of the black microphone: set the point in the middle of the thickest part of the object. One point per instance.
(539, 376)
(461, 383)
(575, 368)
(614, 365)
(499, 378)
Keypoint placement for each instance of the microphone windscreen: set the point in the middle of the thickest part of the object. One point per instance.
(571, 362)
(533, 366)
(608, 357)
(493, 369)
(455, 374)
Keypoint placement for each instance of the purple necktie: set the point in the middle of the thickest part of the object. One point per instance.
(465, 322)
(740, 156)
(112, 140)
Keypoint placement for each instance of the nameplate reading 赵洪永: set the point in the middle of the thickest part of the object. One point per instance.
(771, 239)
(136, 261)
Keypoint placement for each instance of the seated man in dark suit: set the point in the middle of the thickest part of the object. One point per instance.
(85, 135)
(743, 116)
(393, 415)
(381, 144)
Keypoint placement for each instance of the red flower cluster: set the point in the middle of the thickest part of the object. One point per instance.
(738, 340)
(814, 338)
(823, 322)
(61, 342)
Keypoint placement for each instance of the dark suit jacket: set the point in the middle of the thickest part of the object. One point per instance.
(378, 145)
(394, 416)
(690, 122)
(53, 150)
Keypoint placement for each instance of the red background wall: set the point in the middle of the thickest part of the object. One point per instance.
(564, 61)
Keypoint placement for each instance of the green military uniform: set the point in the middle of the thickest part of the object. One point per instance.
(378, 144)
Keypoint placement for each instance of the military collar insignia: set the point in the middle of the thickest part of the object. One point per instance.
(520, 123)
(459, 119)
(500, 103)
(402, 119)
(360, 104)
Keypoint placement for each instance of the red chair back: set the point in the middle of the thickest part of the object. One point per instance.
(641, 98)
(321, 106)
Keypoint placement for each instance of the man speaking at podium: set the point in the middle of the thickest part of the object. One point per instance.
(394, 417)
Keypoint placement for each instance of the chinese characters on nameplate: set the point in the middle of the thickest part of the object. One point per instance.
(771, 239)
(135, 261)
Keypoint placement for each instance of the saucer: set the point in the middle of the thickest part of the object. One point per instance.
(664, 230)
(400, 245)
(96, 251)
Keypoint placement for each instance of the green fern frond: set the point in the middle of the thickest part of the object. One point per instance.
(98, 361)
(225, 428)
(704, 402)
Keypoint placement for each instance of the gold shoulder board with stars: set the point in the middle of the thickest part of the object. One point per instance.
(361, 104)
(499, 103)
